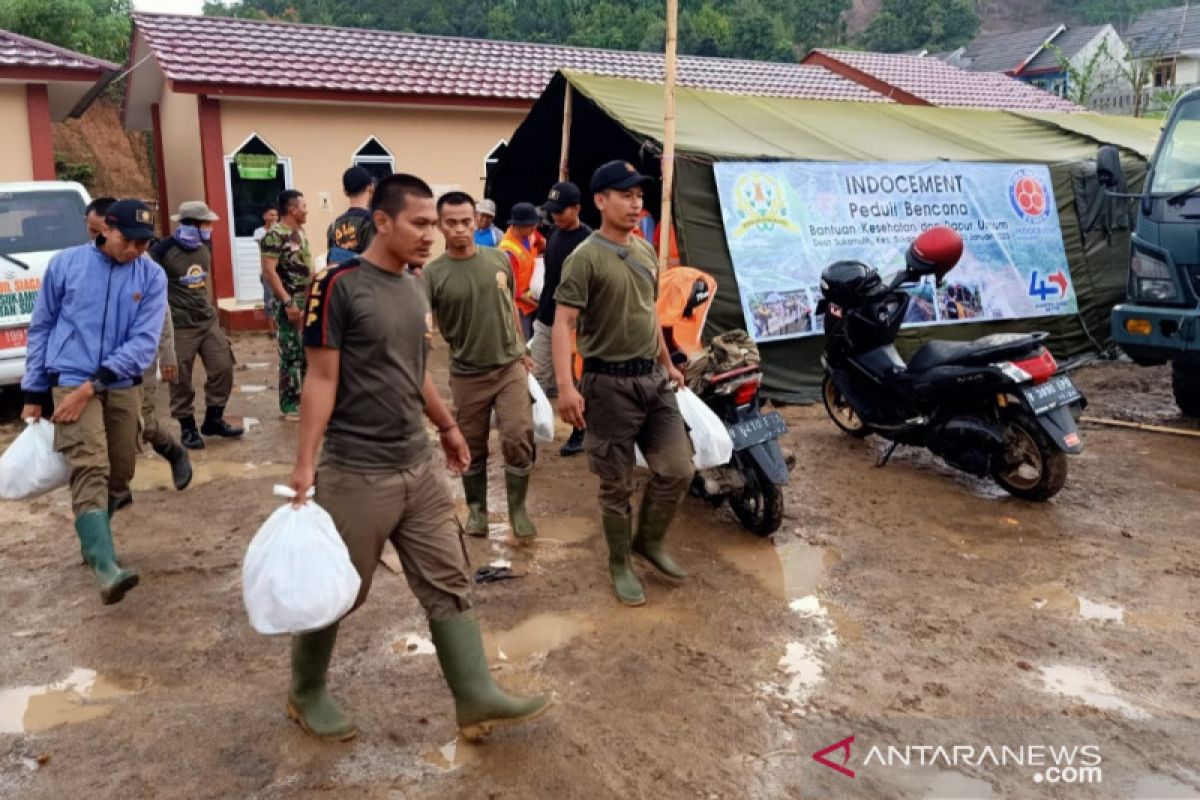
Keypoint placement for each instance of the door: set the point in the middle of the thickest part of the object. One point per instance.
(255, 174)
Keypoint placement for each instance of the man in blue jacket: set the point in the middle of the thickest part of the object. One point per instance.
(95, 330)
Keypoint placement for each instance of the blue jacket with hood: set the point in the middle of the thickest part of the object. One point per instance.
(94, 318)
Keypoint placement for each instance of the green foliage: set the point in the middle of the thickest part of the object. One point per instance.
(1119, 12)
(755, 29)
(98, 28)
(79, 171)
(904, 25)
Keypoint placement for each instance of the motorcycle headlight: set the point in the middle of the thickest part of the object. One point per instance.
(1150, 278)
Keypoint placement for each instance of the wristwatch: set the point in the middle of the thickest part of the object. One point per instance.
(98, 385)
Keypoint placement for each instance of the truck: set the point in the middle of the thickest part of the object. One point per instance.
(37, 220)
(1159, 322)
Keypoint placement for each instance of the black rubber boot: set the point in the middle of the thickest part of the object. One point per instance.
(574, 445)
(625, 582)
(651, 530)
(480, 705)
(95, 539)
(181, 466)
(475, 489)
(118, 501)
(215, 424)
(309, 701)
(189, 434)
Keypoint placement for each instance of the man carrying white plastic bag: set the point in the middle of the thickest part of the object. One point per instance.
(297, 576)
(366, 395)
(30, 466)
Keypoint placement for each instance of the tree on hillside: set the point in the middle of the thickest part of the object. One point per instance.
(98, 28)
(904, 25)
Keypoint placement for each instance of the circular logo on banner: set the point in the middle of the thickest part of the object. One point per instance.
(761, 204)
(1029, 196)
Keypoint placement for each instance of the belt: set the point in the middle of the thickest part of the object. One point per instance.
(624, 369)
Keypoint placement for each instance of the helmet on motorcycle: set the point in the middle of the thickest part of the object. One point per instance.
(934, 252)
(849, 283)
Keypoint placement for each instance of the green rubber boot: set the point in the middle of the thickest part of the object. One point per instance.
(625, 583)
(475, 488)
(309, 701)
(479, 703)
(517, 486)
(96, 544)
(648, 541)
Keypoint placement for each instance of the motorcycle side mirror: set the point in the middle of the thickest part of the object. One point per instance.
(1109, 172)
(935, 252)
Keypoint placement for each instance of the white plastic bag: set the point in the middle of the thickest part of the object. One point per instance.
(297, 576)
(538, 280)
(710, 437)
(543, 413)
(30, 466)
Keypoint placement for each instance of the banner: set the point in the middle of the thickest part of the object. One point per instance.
(786, 221)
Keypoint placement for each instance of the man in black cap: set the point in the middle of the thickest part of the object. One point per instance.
(563, 205)
(524, 246)
(349, 234)
(95, 330)
(608, 291)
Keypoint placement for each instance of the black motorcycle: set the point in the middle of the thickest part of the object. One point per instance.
(996, 407)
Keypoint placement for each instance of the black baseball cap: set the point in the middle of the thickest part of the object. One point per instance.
(356, 180)
(132, 218)
(524, 214)
(618, 175)
(563, 194)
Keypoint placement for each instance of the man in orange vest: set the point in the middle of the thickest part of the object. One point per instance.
(524, 245)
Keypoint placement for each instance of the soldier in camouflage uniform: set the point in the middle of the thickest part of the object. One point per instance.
(287, 269)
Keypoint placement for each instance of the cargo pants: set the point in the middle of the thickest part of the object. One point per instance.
(413, 509)
(506, 390)
(100, 447)
(292, 361)
(210, 343)
(153, 433)
(622, 412)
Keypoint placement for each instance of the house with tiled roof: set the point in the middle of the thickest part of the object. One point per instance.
(39, 84)
(1167, 42)
(926, 81)
(1048, 56)
(224, 97)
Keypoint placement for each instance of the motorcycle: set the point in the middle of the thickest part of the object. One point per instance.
(997, 406)
(753, 479)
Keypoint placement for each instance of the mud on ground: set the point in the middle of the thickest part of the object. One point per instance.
(903, 606)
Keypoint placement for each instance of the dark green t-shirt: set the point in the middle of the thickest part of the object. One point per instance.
(187, 282)
(379, 324)
(351, 231)
(617, 320)
(472, 303)
(294, 259)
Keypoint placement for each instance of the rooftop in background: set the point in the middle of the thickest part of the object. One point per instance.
(923, 80)
(1165, 32)
(1007, 52)
(265, 58)
(72, 78)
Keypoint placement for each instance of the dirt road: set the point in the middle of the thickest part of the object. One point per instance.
(908, 607)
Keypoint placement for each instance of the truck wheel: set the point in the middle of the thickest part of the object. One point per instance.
(1040, 469)
(839, 410)
(1185, 382)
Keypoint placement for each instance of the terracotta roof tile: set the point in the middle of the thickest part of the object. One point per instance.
(21, 52)
(255, 53)
(941, 84)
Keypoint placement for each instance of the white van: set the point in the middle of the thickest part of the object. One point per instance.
(37, 219)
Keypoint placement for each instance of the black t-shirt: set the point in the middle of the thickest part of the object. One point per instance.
(562, 244)
(351, 231)
(187, 282)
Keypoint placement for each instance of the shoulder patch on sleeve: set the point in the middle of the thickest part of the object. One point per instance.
(316, 310)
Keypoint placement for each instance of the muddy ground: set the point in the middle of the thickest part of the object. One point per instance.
(907, 607)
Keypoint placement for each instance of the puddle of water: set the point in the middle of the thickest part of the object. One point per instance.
(257, 365)
(567, 530)
(1100, 611)
(155, 474)
(81, 697)
(452, 755)
(950, 785)
(252, 388)
(1090, 687)
(790, 571)
(1161, 787)
(540, 633)
(414, 644)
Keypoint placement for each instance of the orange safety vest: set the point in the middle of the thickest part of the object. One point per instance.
(674, 289)
(523, 264)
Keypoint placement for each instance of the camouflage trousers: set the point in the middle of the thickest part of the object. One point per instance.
(292, 363)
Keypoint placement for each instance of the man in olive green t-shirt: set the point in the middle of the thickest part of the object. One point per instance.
(471, 296)
(608, 291)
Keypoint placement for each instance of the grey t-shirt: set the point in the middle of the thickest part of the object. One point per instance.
(379, 323)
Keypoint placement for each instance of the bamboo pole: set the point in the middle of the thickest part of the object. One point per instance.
(565, 152)
(668, 156)
(1140, 426)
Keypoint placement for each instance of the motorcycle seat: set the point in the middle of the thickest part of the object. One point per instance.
(941, 353)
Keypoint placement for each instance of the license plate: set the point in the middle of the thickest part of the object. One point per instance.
(1054, 393)
(13, 337)
(756, 431)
